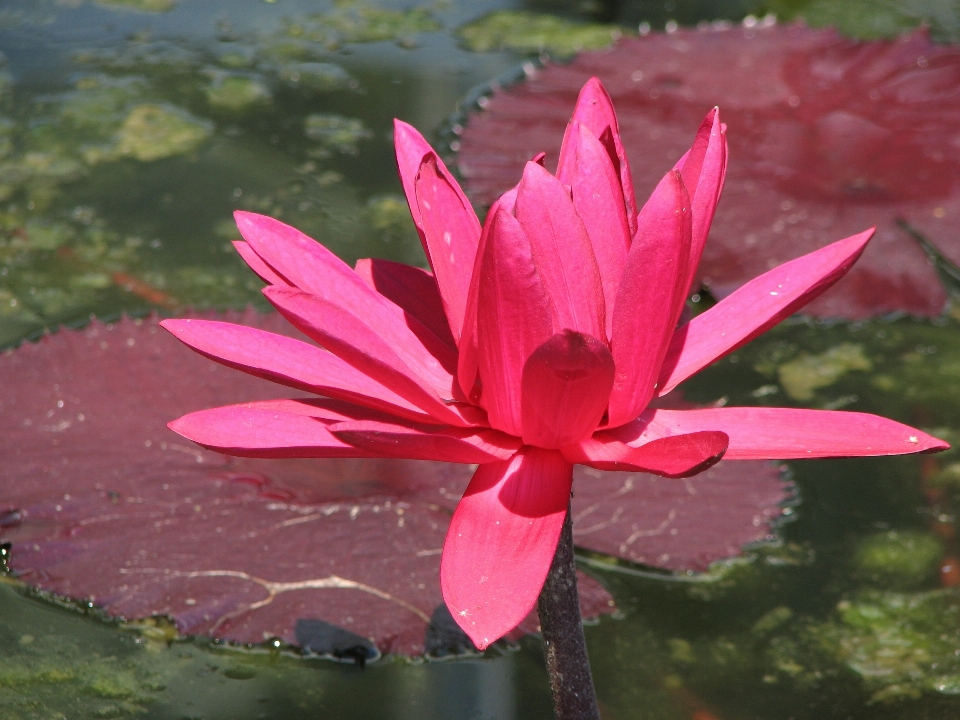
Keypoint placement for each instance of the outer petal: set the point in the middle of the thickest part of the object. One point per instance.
(565, 388)
(754, 308)
(675, 456)
(257, 264)
(598, 199)
(595, 111)
(289, 362)
(451, 234)
(786, 433)
(428, 442)
(250, 431)
(703, 171)
(501, 542)
(308, 265)
(650, 297)
(411, 149)
(410, 288)
(355, 342)
(514, 317)
(562, 251)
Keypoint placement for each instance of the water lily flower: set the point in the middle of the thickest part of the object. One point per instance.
(539, 340)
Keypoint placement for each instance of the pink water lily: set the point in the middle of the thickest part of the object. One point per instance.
(538, 341)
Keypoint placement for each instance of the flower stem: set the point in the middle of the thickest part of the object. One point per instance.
(566, 648)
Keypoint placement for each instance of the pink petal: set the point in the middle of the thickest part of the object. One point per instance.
(308, 265)
(595, 111)
(514, 317)
(289, 362)
(328, 410)
(410, 288)
(303, 261)
(650, 298)
(562, 251)
(256, 263)
(703, 169)
(468, 362)
(674, 456)
(755, 307)
(451, 233)
(258, 432)
(565, 388)
(411, 149)
(786, 433)
(501, 542)
(598, 199)
(427, 442)
(367, 349)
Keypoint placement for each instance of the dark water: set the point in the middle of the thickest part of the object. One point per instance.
(127, 138)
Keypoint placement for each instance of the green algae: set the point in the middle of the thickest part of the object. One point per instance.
(152, 6)
(335, 133)
(528, 32)
(50, 676)
(357, 22)
(318, 76)
(805, 374)
(154, 131)
(235, 93)
(869, 19)
(898, 559)
(900, 646)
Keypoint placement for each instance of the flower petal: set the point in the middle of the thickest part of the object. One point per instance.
(562, 251)
(501, 542)
(451, 234)
(257, 264)
(427, 442)
(307, 265)
(369, 351)
(468, 361)
(650, 297)
(410, 288)
(250, 431)
(329, 410)
(598, 199)
(673, 456)
(702, 170)
(514, 317)
(289, 362)
(595, 111)
(565, 388)
(754, 308)
(411, 149)
(786, 433)
(303, 261)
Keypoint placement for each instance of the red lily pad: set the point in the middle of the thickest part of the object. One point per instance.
(828, 136)
(103, 503)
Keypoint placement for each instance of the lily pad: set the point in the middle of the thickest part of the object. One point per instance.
(103, 503)
(828, 136)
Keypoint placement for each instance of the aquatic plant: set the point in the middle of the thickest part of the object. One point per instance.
(538, 342)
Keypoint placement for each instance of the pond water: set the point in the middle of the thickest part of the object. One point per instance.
(130, 129)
